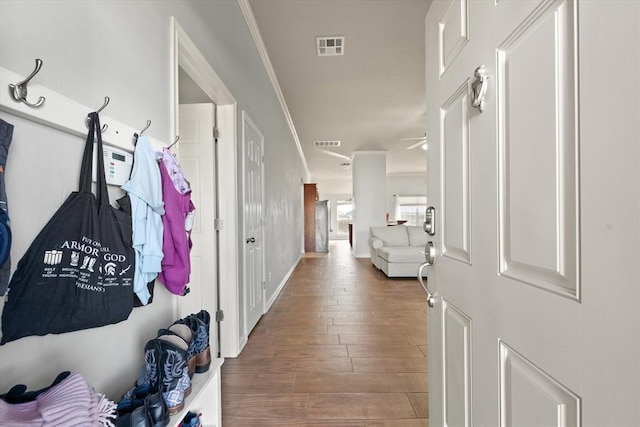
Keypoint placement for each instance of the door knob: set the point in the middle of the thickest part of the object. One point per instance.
(430, 256)
(251, 240)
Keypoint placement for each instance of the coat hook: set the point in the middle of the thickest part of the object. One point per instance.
(105, 126)
(19, 91)
(174, 142)
(146, 127)
(106, 102)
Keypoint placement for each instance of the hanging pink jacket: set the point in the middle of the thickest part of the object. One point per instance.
(176, 241)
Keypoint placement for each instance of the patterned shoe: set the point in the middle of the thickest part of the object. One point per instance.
(199, 324)
(150, 375)
(172, 371)
(203, 350)
(184, 331)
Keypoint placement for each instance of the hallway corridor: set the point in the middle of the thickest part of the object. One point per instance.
(341, 346)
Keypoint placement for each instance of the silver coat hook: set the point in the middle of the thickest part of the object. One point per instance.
(174, 142)
(19, 91)
(105, 126)
(146, 127)
(106, 102)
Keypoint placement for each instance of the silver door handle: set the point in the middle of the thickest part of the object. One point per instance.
(430, 256)
(251, 240)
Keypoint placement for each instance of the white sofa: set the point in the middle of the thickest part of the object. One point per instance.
(398, 250)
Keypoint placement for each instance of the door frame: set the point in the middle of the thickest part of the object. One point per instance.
(185, 54)
(246, 121)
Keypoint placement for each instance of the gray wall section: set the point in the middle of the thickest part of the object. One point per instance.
(189, 92)
(121, 49)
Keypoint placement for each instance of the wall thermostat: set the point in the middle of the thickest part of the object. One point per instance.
(117, 165)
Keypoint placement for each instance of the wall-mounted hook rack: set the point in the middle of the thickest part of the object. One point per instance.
(67, 116)
(104, 105)
(18, 91)
(146, 127)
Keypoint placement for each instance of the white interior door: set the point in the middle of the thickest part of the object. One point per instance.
(253, 143)
(197, 158)
(515, 307)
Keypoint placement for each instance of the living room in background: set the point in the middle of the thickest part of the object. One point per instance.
(409, 210)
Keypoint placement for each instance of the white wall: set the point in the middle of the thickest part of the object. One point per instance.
(404, 185)
(121, 49)
(369, 182)
(335, 186)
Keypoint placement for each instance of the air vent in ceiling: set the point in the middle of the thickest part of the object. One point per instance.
(330, 46)
(325, 144)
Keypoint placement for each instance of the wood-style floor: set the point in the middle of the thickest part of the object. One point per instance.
(342, 345)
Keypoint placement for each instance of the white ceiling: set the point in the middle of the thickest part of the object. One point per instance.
(369, 98)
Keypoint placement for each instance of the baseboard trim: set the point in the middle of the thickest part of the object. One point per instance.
(281, 285)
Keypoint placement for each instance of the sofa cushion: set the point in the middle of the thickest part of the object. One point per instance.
(391, 236)
(417, 236)
(401, 254)
(375, 243)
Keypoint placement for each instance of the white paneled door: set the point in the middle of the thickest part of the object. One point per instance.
(522, 293)
(197, 158)
(253, 147)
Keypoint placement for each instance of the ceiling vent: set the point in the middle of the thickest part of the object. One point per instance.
(326, 144)
(330, 46)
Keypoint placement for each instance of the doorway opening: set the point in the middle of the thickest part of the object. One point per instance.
(188, 61)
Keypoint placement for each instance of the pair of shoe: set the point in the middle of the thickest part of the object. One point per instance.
(166, 370)
(142, 406)
(174, 355)
(199, 324)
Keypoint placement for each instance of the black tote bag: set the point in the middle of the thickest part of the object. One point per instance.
(78, 272)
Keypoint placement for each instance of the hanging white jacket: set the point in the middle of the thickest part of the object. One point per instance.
(145, 191)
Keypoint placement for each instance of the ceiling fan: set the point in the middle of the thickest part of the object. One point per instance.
(421, 142)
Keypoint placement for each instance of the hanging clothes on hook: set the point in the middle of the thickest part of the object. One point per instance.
(178, 222)
(175, 171)
(144, 188)
(6, 134)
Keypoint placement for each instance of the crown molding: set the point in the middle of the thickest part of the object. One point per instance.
(250, 19)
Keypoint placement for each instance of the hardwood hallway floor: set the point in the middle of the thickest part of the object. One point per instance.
(341, 346)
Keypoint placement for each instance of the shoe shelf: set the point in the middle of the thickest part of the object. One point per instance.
(205, 398)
